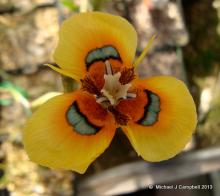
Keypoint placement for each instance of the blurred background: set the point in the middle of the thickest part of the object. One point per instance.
(187, 47)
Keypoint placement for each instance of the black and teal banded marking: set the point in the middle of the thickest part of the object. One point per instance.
(151, 110)
(80, 122)
(102, 54)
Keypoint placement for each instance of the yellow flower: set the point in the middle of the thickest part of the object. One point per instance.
(71, 130)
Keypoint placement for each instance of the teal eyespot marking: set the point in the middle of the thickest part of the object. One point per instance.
(80, 122)
(152, 109)
(102, 54)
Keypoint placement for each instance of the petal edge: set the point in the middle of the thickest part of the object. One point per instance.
(176, 123)
(50, 141)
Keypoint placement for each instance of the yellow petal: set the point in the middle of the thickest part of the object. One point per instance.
(54, 138)
(84, 33)
(172, 125)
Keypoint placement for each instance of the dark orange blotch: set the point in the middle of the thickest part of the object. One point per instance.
(97, 70)
(91, 109)
(134, 108)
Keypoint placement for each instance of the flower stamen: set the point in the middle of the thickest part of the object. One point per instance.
(127, 75)
(112, 88)
(116, 86)
(120, 118)
(89, 86)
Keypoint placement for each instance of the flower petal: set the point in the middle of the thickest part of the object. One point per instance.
(168, 121)
(88, 37)
(129, 107)
(68, 132)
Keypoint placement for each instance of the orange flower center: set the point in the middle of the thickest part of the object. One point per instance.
(116, 87)
(113, 90)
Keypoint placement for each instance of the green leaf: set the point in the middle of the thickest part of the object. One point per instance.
(8, 85)
(70, 5)
(5, 102)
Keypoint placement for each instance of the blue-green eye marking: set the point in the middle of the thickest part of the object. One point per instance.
(102, 54)
(152, 109)
(80, 122)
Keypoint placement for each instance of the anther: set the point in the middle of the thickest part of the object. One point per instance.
(127, 75)
(120, 118)
(89, 86)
